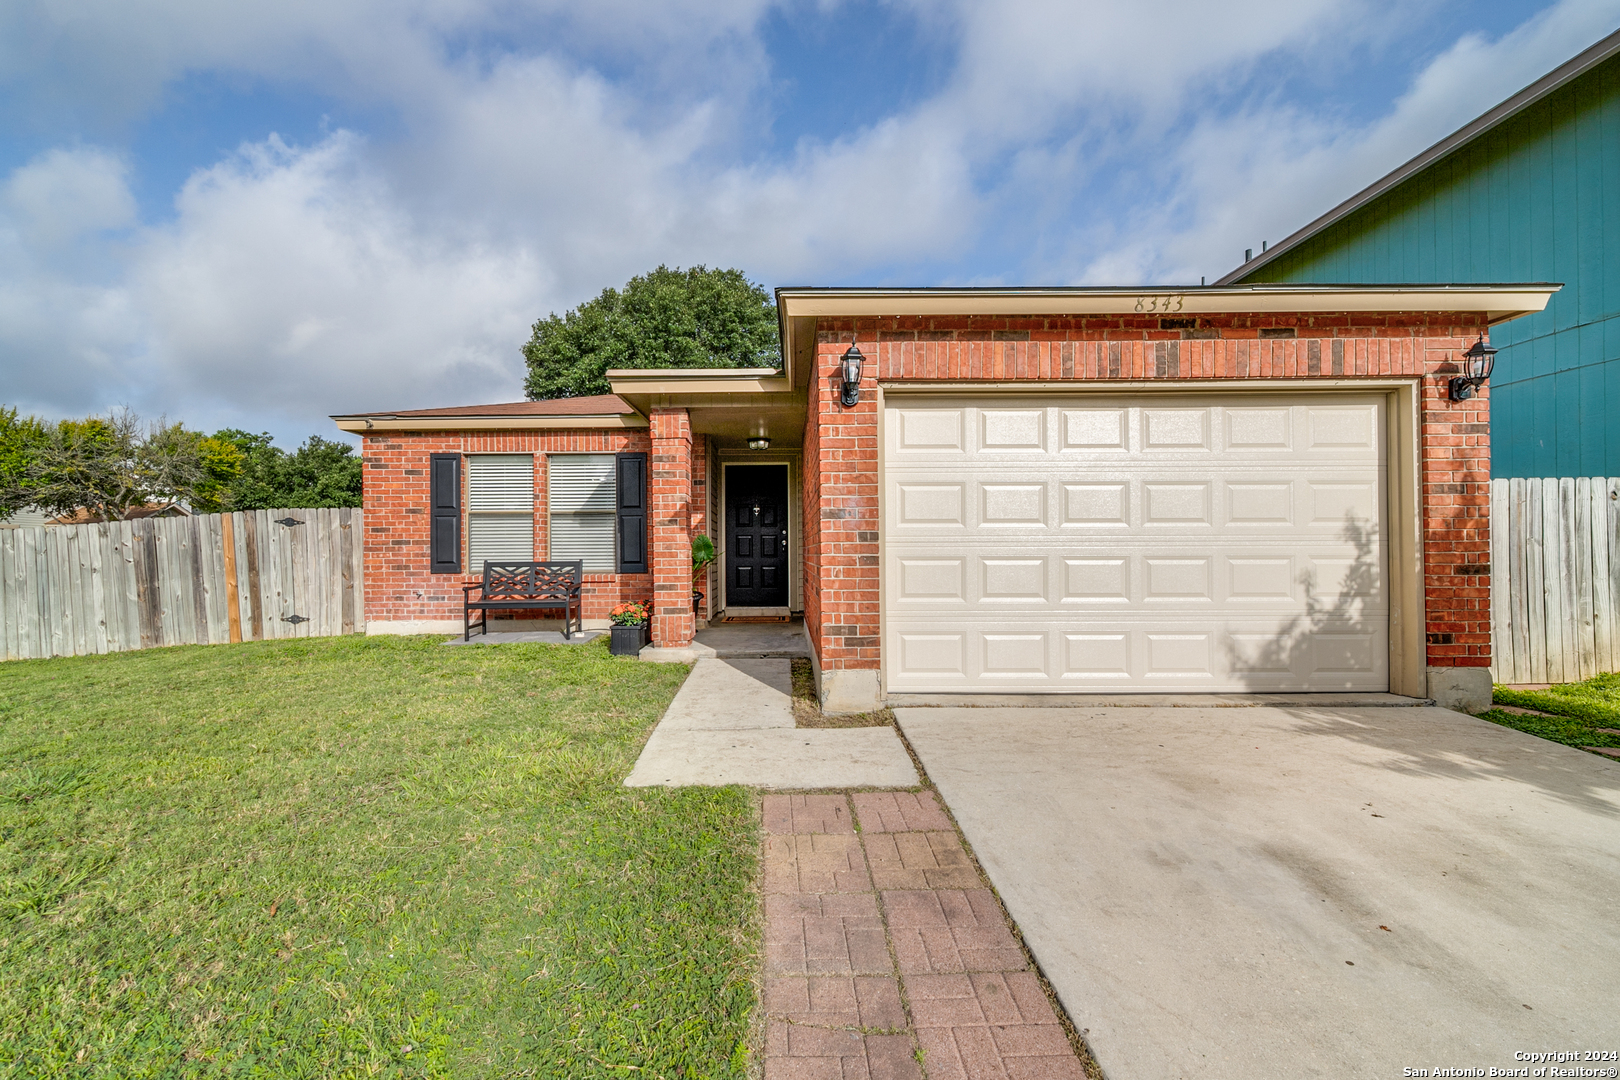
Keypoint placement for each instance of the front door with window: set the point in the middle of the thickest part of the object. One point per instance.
(756, 536)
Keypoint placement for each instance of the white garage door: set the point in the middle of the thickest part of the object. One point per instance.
(1219, 542)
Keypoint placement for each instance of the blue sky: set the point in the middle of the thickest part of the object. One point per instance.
(260, 213)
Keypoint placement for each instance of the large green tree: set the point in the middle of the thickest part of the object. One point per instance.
(321, 472)
(107, 465)
(20, 440)
(669, 318)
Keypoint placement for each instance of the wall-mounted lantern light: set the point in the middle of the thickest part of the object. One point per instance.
(759, 442)
(1480, 358)
(852, 362)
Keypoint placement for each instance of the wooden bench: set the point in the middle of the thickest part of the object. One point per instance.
(527, 585)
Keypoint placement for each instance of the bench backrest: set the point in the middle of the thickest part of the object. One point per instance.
(532, 580)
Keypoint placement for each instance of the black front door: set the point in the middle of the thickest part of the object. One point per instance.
(756, 536)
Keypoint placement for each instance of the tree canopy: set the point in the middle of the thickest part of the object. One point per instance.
(669, 318)
(321, 472)
(109, 465)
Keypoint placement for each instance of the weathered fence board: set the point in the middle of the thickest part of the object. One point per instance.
(1555, 578)
(71, 590)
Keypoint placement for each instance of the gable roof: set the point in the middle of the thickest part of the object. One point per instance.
(1559, 76)
(594, 411)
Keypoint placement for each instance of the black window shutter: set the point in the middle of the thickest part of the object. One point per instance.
(631, 475)
(445, 543)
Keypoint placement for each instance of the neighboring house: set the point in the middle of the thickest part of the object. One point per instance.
(82, 516)
(1530, 191)
(30, 516)
(1260, 488)
(26, 518)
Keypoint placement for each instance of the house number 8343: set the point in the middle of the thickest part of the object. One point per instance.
(1160, 303)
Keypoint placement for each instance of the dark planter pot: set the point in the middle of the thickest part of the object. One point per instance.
(628, 640)
(697, 602)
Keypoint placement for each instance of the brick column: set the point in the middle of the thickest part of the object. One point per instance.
(841, 604)
(671, 540)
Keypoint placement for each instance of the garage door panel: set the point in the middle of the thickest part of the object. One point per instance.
(1176, 429)
(1343, 427)
(1003, 506)
(931, 655)
(1008, 656)
(929, 431)
(931, 581)
(1114, 655)
(1176, 503)
(1280, 577)
(929, 505)
(1004, 431)
(1268, 428)
(1096, 657)
(1104, 505)
(1102, 580)
(1016, 581)
(1266, 503)
(1095, 429)
(1183, 580)
(1233, 542)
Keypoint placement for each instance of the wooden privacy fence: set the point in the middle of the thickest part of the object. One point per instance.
(1555, 578)
(68, 590)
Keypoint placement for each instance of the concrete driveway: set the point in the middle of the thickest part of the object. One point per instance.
(1297, 892)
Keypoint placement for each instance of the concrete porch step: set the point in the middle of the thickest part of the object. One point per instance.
(738, 641)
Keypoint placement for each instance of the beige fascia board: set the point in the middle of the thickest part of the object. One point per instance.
(712, 400)
(360, 425)
(1497, 302)
(643, 383)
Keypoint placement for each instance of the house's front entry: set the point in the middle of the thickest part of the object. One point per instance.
(756, 537)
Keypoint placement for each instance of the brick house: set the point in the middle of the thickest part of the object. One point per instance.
(1032, 491)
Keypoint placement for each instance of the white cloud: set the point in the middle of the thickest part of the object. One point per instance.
(64, 193)
(291, 280)
(1260, 174)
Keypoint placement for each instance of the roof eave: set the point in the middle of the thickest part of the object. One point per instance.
(1497, 301)
(361, 425)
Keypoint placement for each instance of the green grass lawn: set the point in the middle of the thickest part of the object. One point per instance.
(362, 857)
(1578, 709)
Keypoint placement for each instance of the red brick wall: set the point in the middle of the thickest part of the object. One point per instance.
(841, 518)
(670, 523)
(398, 584)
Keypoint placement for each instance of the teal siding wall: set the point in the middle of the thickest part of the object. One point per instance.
(1536, 199)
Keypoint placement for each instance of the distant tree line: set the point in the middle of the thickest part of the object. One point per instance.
(107, 466)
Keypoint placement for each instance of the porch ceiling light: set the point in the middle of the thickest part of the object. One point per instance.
(851, 365)
(759, 442)
(1480, 358)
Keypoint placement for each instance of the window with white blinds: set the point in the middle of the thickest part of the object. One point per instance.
(500, 509)
(582, 505)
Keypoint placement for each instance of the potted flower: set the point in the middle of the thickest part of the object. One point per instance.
(703, 555)
(631, 621)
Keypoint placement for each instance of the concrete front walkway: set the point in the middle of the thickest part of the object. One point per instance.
(732, 723)
(1303, 892)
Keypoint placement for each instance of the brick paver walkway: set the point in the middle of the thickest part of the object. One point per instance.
(883, 947)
